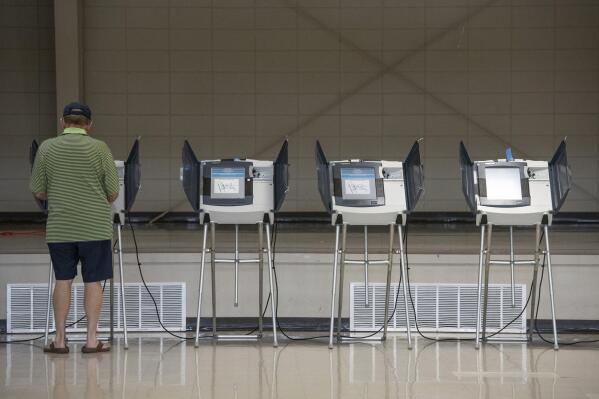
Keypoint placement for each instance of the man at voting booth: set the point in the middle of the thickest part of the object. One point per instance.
(76, 174)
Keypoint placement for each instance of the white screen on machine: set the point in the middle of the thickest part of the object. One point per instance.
(228, 182)
(358, 183)
(503, 183)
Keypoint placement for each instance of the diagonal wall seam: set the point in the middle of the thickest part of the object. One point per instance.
(384, 68)
(390, 69)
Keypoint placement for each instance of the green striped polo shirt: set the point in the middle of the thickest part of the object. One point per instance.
(78, 174)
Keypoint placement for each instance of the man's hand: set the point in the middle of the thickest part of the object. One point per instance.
(112, 197)
(41, 196)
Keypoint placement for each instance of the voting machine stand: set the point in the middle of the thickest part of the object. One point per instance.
(368, 193)
(514, 193)
(236, 192)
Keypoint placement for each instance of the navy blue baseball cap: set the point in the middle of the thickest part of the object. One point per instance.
(76, 108)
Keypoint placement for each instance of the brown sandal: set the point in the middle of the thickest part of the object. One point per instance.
(97, 349)
(53, 349)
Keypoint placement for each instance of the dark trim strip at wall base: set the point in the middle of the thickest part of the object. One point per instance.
(295, 324)
(321, 324)
(573, 218)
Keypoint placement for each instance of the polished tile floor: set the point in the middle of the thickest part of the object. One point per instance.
(159, 367)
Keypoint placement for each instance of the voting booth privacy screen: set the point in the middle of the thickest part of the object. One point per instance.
(190, 175)
(132, 176)
(281, 175)
(322, 171)
(413, 176)
(467, 174)
(560, 177)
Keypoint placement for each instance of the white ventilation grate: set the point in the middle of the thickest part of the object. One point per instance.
(26, 307)
(440, 307)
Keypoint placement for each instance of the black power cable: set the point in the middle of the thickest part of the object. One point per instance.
(455, 339)
(263, 314)
(534, 326)
(139, 264)
(320, 336)
(143, 280)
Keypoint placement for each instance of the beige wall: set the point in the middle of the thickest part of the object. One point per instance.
(365, 77)
(27, 93)
(297, 271)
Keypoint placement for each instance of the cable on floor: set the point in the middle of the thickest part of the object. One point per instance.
(143, 280)
(534, 326)
(457, 339)
(321, 336)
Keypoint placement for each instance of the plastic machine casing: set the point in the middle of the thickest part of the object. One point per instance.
(545, 186)
(266, 183)
(399, 186)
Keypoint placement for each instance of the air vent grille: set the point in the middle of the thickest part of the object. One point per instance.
(440, 307)
(26, 307)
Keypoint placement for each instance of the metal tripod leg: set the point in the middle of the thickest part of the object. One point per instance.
(260, 276)
(404, 274)
(388, 285)
(533, 288)
(334, 285)
(480, 284)
(213, 274)
(198, 314)
(122, 281)
(551, 295)
(111, 295)
(486, 290)
(366, 290)
(341, 278)
(273, 295)
(47, 331)
(236, 263)
(512, 266)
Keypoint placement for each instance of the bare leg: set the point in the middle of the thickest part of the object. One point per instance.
(93, 304)
(92, 388)
(60, 386)
(62, 303)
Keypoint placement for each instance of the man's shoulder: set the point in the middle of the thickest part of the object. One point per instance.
(47, 143)
(99, 144)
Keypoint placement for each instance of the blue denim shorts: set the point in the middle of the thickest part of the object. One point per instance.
(95, 258)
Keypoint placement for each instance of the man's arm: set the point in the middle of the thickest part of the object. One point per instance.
(111, 178)
(38, 183)
(112, 198)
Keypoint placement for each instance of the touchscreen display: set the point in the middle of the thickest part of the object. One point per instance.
(358, 183)
(228, 182)
(503, 183)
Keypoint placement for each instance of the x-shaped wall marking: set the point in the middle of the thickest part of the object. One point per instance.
(392, 69)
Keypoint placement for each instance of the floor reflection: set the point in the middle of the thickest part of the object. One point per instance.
(159, 367)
